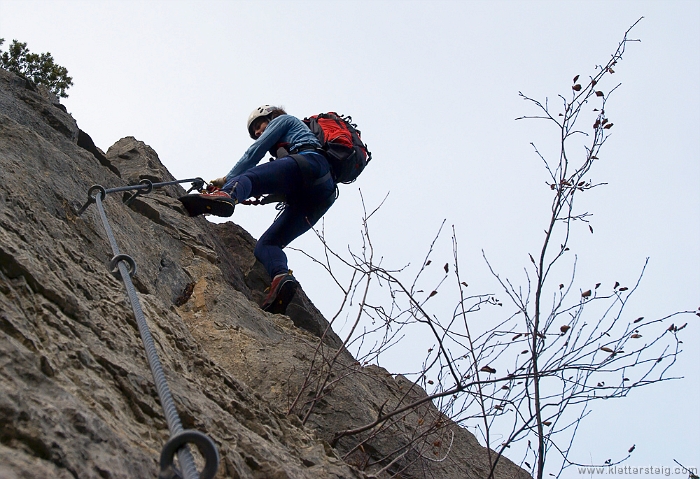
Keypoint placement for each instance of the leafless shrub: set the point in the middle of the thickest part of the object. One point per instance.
(529, 377)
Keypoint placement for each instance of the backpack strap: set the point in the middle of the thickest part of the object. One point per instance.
(306, 173)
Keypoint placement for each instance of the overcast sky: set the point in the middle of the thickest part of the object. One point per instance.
(434, 88)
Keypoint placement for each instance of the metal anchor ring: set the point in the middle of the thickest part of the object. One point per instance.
(91, 199)
(204, 444)
(148, 183)
(113, 264)
(141, 191)
(94, 188)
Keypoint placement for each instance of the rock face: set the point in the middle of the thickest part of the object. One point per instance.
(77, 398)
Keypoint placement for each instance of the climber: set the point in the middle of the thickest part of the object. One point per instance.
(300, 173)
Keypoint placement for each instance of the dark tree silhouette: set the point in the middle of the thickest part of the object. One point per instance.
(39, 68)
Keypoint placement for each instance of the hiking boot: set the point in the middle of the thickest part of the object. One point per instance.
(219, 195)
(216, 193)
(218, 203)
(282, 290)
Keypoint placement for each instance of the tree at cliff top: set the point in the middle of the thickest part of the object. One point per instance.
(39, 68)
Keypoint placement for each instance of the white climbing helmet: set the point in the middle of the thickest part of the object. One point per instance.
(257, 113)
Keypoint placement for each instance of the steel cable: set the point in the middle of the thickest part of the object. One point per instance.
(179, 437)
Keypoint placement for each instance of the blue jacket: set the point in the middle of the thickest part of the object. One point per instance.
(286, 129)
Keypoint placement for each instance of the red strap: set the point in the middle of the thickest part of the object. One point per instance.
(254, 202)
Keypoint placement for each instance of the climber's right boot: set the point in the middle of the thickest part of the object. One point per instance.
(280, 294)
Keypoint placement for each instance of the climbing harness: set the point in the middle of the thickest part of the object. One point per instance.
(124, 266)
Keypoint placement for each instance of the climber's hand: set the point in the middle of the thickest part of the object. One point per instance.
(219, 182)
(215, 185)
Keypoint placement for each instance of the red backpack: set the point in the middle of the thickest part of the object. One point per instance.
(341, 142)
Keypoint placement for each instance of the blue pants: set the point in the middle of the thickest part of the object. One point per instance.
(306, 202)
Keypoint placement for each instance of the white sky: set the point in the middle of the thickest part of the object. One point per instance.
(434, 88)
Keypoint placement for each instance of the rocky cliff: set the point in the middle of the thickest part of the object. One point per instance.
(77, 397)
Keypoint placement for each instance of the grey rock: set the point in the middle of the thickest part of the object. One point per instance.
(35, 107)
